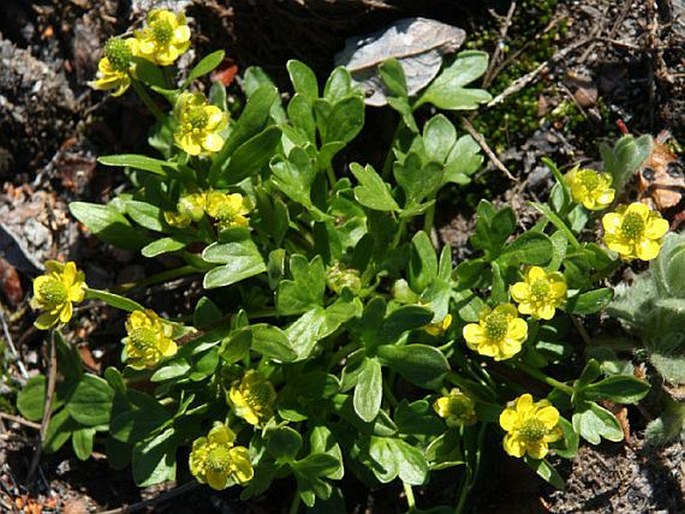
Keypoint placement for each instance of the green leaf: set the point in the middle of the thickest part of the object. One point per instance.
(342, 122)
(154, 460)
(271, 342)
(250, 157)
(418, 180)
(625, 157)
(445, 451)
(413, 468)
(135, 416)
(304, 80)
(439, 136)
(422, 365)
(175, 368)
(399, 321)
(206, 65)
(463, 160)
(140, 162)
(91, 402)
(59, 430)
(593, 422)
(145, 214)
(369, 390)
(283, 443)
(529, 248)
(108, 224)
(372, 191)
(590, 372)
(114, 300)
(240, 258)
(545, 470)
(384, 455)
(164, 245)
(306, 289)
(618, 388)
(590, 302)
(31, 399)
(392, 75)
(423, 262)
(82, 442)
(568, 446)
(294, 176)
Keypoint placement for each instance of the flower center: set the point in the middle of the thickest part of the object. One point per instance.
(589, 180)
(533, 430)
(53, 292)
(162, 31)
(259, 395)
(118, 53)
(219, 457)
(142, 338)
(540, 289)
(496, 326)
(633, 226)
(198, 118)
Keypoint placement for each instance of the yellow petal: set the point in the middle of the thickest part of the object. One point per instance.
(517, 330)
(606, 198)
(213, 142)
(66, 312)
(217, 479)
(514, 446)
(611, 222)
(549, 416)
(169, 349)
(647, 249)
(618, 245)
(535, 273)
(182, 33)
(656, 228)
(545, 312)
(537, 450)
(508, 419)
(221, 434)
(473, 334)
(558, 289)
(638, 208)
(524, 404)
(525, 308)
(242, 468)
(45, 321)
(216, 117)
(520, 291)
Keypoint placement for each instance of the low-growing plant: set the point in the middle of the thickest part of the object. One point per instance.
(333, 338)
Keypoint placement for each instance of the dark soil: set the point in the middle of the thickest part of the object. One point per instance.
(52, 128)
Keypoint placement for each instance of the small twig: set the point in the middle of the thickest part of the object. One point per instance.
(49, 395)
(168, 495)
(20, 420)
(13, 349)
(488, 151)
(496, 56)
(581, 330)
(531, 77)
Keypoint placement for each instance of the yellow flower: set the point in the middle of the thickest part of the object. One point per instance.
(114, 69)
(215, 461)
(198, 124)
(457, 409)
(530, 427)
(228, 209)
(634, 231)
(590, 188)
(499, 333)
(148, 340)
(55, 291)
(252, 398)
(165, 38)
(440, 327)
(541, 293)
(190, 207)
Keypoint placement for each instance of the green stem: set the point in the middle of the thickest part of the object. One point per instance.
(295, 504)
(344, 352)
(387, 389)
(544, 378)
(159, 277)
(429, 219)
(409, 493)
(147, 100)
(331, 176)
(400, 232)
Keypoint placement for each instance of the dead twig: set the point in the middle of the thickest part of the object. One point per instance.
(531, 77)
(49, 395)
(168, 495)
(13, 349)
(488, 151)
(492, 67)
(20, 420)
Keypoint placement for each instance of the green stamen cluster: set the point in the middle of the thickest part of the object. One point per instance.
(540, 289)
(533, 430)
(633, 226)
(496, 326)
(53, 292)
(162, 31)
(118, 53)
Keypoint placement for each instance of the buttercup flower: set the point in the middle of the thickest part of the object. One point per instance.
(164, 39)
(228, 209)
(499, 333)
(530, 427)
(56, 291)
(439, 327)
(114, 69)
(457, 409)
(541, 293)
(190, 207)
(634, 231)
(148, 340)
(590, 188)
(339, 276)
(252, 398)
(198, 124)
(215, 461)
